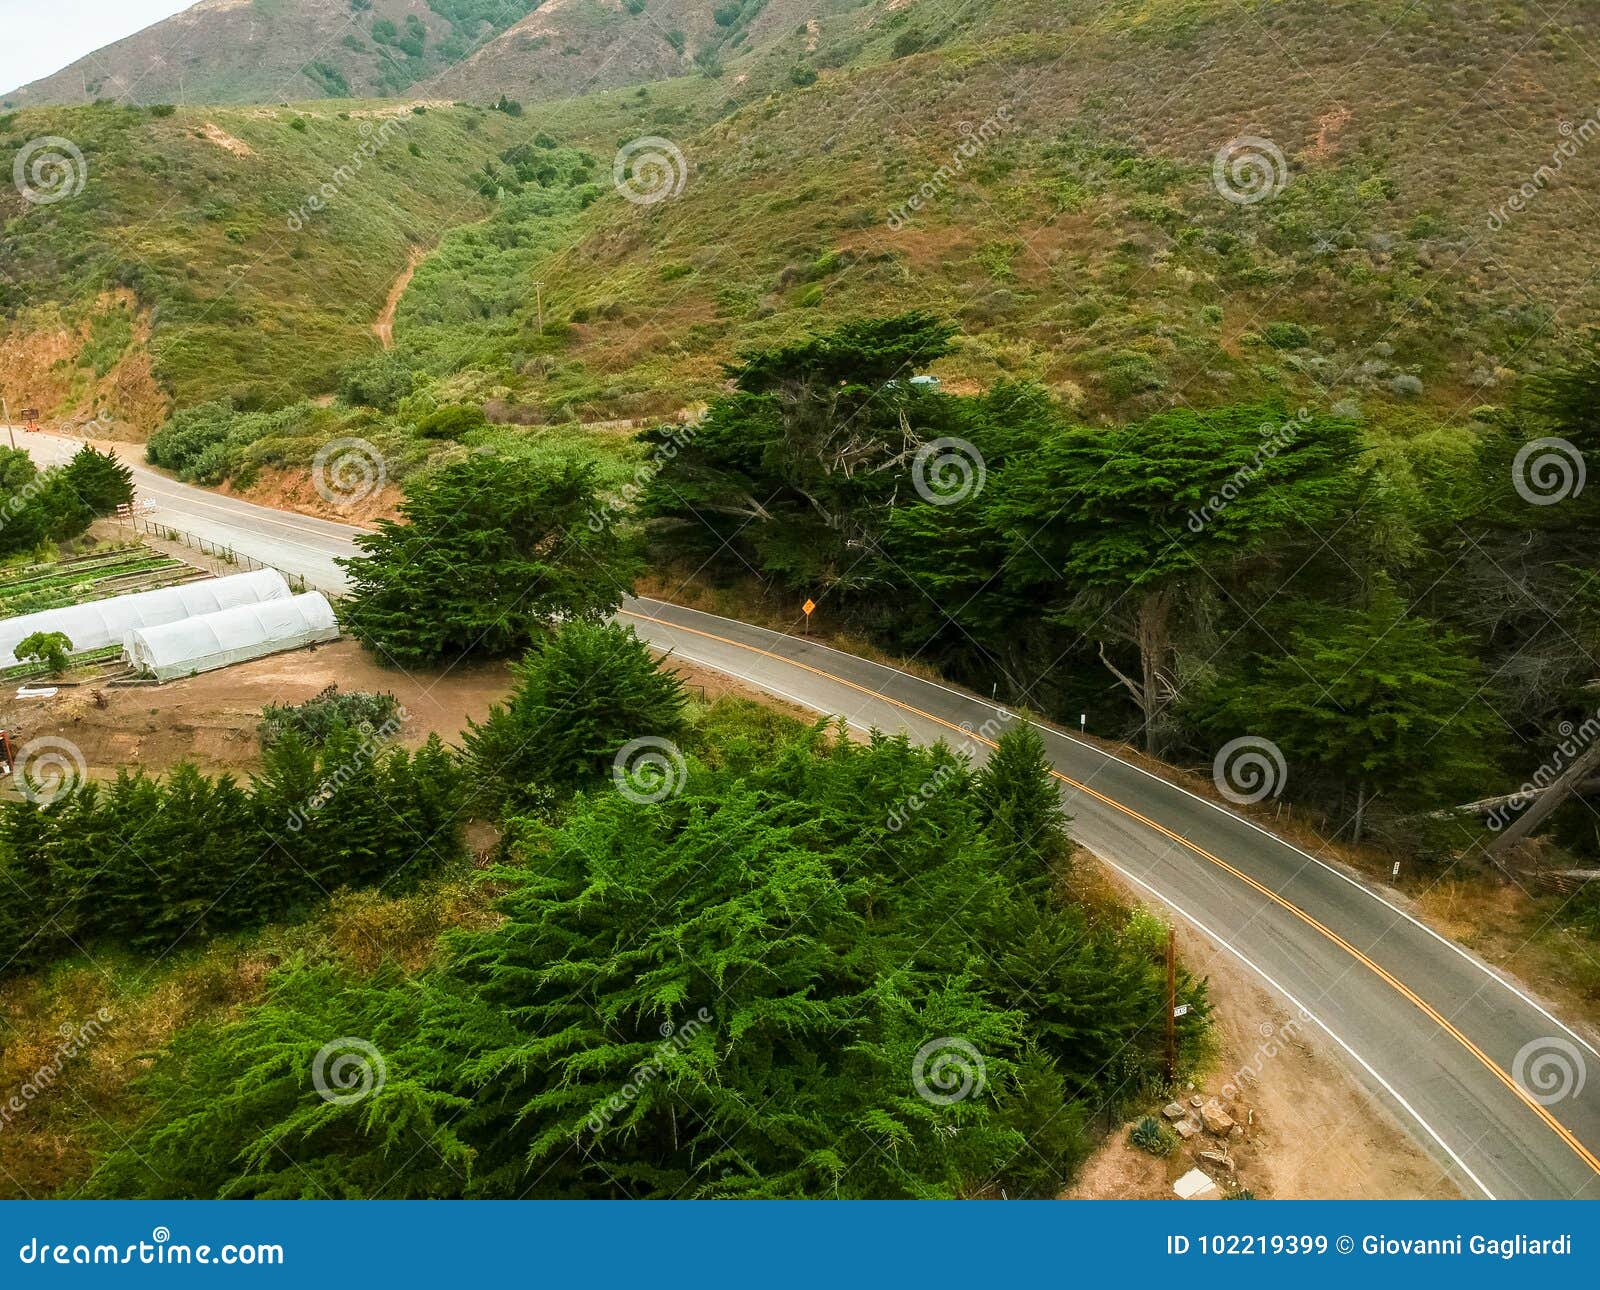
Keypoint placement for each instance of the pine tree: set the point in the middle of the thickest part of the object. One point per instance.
(580, 696)
(493, 551)
(98, 480)
(1379, 699)
(1022, 802)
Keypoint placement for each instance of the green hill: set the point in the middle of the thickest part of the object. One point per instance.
(1045, 176)
(265, 51)
(1055, 178)
(219, 251)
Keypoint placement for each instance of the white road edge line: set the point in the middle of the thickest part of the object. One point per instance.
(1305, 1012)
(1182, 913)
(1362, 887)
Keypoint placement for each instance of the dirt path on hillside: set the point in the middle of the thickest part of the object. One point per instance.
(383, 327)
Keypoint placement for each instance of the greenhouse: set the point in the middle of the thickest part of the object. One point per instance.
(100, 623)
(231, 636)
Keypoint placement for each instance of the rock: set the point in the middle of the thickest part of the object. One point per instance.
(1236, 1132)
(1221, 1158)
(1185, 1129)
(1173, 1111)
(1215, 1119)
(1196, 1185)
(1197, 1102)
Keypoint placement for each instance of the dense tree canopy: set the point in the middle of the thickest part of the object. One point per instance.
(492, 551)
(1130, 572)
(756, 987)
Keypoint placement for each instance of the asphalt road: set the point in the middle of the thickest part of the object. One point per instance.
(1506, 1097)
(298, 544)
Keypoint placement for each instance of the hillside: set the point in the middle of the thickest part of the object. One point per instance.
(216, 251)
(571, 47)
(266, 51)
(1019, 174)
(1010, 167)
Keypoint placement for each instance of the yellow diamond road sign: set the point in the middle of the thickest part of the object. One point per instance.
(808, 607)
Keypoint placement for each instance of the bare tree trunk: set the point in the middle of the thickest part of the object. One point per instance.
(1152, 634)
(1155, 612)
(1361, 808)
(1571, 779)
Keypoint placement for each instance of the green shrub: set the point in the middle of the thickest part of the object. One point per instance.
(49, 648)
(1149, 1134)
(315, 720)
(451, 421)
(580, 696)
(314, 820)
(377, 382)
(1286, 335)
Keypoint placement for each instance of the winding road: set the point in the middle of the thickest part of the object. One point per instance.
(1505, 1096)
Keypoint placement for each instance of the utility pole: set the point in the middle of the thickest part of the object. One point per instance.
(1172, 1006)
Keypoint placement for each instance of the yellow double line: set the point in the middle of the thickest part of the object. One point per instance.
(1543, 1112)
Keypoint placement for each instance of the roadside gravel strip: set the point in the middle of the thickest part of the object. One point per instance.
(1463, 1056)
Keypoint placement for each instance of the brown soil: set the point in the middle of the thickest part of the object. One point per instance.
(383, 327)
(39, 369)
(291, 489)
(1311, 1131)
(224, 140)
(212, 719)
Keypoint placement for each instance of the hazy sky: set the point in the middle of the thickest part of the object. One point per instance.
(43, 36)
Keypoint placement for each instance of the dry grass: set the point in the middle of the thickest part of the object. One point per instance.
(50, 1145)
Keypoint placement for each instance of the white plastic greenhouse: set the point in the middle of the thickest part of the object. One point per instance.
(100, 623)
(231, 636)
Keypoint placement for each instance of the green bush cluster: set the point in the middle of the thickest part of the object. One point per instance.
(38, 507)
(315, 720)
(753, 986)
(154, 863)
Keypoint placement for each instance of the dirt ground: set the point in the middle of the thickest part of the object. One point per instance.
(1311, 1131)
(211, 719)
